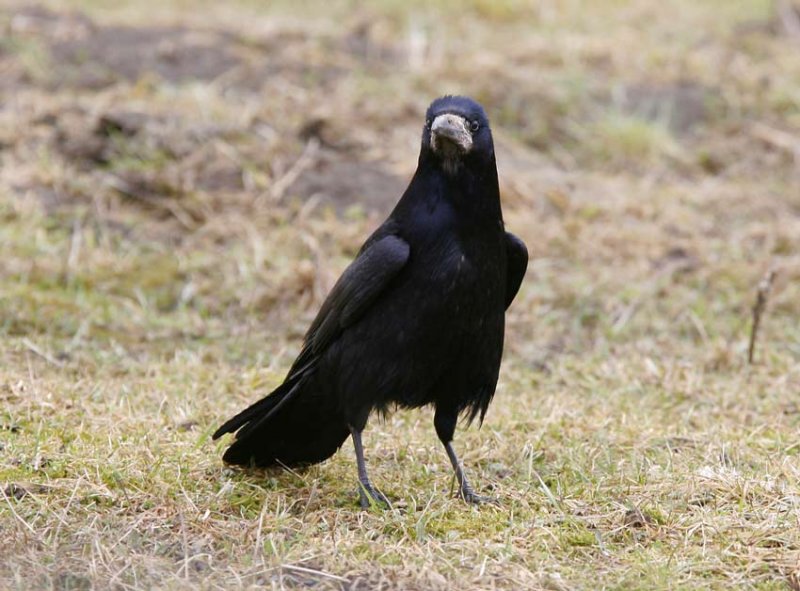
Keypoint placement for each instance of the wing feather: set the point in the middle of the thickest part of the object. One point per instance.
(357, 288)
(517, 256)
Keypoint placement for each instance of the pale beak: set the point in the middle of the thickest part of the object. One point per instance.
(450, 131)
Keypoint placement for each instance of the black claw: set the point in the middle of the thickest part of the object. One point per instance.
(368, 496)
(473, 498)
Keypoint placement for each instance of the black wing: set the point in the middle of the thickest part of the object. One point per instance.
(357, 288)
(517, 256)
(379, 261)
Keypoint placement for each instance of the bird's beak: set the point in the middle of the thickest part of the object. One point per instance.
(450, 131)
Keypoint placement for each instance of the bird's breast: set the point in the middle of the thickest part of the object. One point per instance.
(464, 282)
(456, 275)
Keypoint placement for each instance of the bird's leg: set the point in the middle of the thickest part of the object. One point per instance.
(464, 488)
(367, 493)
(445, 423)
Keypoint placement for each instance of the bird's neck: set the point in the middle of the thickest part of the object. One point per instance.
(470, 191)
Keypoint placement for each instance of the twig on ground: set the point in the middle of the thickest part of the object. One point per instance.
(16, 515)
(169, 205)
(777, 138)
(74, 251)
(315, 572)
(764, 287)
(789, 18)
(305, 160)
(41, 353)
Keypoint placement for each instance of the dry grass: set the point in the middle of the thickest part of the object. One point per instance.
(180, 186)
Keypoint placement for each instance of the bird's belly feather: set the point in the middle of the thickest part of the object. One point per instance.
(438, 333)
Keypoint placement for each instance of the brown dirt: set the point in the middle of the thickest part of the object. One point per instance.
(186, 156)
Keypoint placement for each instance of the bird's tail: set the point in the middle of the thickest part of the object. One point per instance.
(295, 425)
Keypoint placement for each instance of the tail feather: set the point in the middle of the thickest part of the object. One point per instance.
(264, 407)
(258, 412)
(255, 423)
(297, 424)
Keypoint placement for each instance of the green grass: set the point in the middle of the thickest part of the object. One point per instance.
(630, 445)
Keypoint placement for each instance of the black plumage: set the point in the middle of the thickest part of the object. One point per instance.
(418, 317)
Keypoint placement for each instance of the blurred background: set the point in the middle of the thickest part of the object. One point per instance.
(203, 167)
(182, 182)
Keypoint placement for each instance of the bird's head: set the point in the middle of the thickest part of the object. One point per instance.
(457, 131)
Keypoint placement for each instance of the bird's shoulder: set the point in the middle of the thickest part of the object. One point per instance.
(516, 248)
(381, 258)
(517, 264)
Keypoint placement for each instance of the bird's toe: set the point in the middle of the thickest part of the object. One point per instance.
(369, 496)
(473, 498)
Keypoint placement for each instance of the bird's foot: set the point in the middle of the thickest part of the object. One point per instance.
(473, 498)
(369, 496)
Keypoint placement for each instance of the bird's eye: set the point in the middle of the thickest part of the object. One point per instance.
(428, 123)
(474, 126)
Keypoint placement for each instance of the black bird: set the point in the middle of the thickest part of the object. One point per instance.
(417, 318)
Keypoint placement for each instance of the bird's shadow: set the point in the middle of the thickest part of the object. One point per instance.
(306, 487)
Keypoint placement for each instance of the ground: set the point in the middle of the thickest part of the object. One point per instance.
(181, 183)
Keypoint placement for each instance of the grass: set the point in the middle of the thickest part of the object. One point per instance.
(158, 273)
